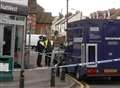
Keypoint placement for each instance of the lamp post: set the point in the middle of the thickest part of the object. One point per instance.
(21, 81)
(66, 17)
(67, 6)
(29, 43)
(63, 63)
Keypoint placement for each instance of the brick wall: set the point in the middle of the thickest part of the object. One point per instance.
(42, 28)
(32, 18)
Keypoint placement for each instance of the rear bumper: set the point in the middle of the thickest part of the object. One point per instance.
(104, 75)
(94, 72)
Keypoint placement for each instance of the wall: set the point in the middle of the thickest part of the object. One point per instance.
(43, 28)
(32, 20)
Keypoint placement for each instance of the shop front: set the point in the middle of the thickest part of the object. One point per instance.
(12, 35)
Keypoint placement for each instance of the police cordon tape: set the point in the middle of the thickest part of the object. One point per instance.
(71, 65)
(91, 63)
(41, 68)
(78, 64)
(52, 53)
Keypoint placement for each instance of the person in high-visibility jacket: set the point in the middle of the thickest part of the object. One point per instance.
(40, 48)
(48, 51)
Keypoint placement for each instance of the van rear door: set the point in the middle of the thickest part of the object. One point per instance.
(91, 54)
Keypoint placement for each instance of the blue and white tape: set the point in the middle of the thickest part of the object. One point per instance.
(78, 64)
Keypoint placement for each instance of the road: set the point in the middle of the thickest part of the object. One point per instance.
(103, 83)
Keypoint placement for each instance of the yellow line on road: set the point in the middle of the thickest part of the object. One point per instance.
(76, 81)
(85, 84)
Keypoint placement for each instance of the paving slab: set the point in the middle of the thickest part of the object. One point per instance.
(37, 78)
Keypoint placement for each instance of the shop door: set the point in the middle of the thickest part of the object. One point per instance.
(7, 39)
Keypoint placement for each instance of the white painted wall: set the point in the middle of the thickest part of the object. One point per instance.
(75, 17)
(60, 25)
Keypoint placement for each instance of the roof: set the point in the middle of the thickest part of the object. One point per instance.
(63, 19)
(32, 6)
(42, 16)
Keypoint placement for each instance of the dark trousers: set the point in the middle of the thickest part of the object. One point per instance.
(39, 59)
(48, 59)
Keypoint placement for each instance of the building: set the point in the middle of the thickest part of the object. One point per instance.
(106, 14)
(12, 31)
(59, 24)
(39, 19)
(43, 23)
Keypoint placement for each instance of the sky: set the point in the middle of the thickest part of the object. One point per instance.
(86, 6)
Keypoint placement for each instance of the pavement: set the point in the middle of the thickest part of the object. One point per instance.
(37, 78)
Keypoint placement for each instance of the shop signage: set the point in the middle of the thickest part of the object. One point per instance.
(4, 67)
(20, 2)
(8, 7)
(11, 8)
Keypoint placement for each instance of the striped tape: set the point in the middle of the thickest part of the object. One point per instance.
(78, 64)
(61, 52)
(72, 65)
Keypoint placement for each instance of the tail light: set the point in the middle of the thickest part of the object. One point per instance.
(91, 71)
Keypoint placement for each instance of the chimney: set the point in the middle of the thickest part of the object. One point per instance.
(94, 15)
(81, 15)
(104, 15)
(32, 6)
(108, 14)
(97, 15)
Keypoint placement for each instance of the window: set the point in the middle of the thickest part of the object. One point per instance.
(20, 18)
(77, 32)
(91, 54)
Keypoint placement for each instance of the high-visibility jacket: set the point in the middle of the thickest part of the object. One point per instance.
(48, 45)
(42, 43)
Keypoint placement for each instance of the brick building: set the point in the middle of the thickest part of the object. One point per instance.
(32, 13)
(41, 21)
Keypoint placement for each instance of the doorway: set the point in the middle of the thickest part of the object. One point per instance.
(7, 37)
(91, 54)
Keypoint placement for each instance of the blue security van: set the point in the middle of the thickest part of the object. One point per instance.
(93, 40)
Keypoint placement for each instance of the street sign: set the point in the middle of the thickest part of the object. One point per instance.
(4, 67)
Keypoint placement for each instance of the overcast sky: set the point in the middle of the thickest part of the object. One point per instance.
(86, 6)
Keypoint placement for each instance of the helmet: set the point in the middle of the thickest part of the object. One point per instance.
(40, 37)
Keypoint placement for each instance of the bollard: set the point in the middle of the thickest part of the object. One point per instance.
(63, 71)
(21, 81)
(52, 82)
(57, 71)
(63, 74)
